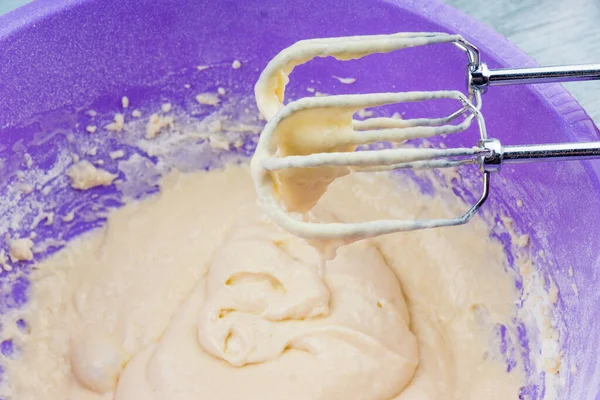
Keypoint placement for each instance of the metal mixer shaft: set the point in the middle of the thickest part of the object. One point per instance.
(481, 77)
(542, 152)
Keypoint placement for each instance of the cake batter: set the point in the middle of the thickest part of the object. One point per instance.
(195, 294)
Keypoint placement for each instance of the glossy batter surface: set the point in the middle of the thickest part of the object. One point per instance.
(194, 293)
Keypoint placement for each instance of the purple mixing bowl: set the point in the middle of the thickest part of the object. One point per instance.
(61, 58)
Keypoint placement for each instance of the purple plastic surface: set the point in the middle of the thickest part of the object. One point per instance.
(59, 58)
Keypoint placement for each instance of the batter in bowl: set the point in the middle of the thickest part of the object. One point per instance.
(195, 294)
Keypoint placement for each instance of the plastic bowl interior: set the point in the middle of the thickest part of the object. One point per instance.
(60, 58)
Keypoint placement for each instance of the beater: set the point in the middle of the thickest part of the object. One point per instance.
(333, 154)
